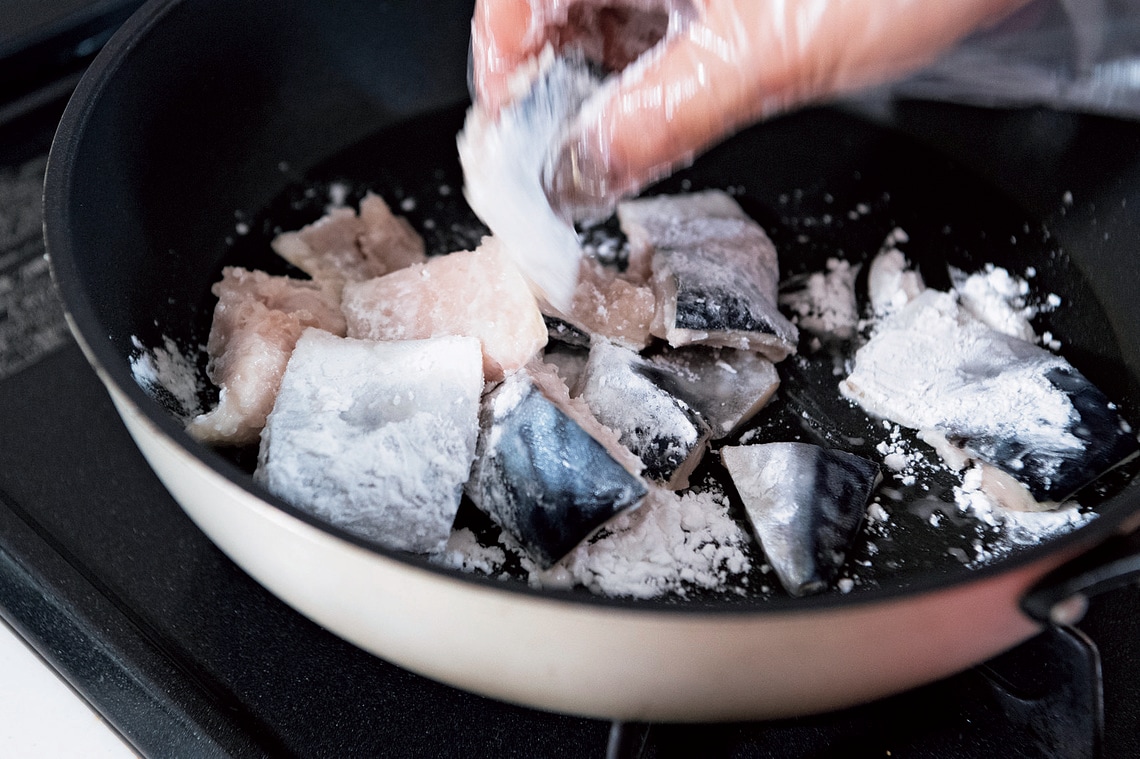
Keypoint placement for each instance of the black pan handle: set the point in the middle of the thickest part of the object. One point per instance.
(1062, 595)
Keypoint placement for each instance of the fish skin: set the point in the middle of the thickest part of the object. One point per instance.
(1059, 434)
(643, 219)
(722, 276)
(1051, 476)
(562, 331)
(713, 270)
(726, 387)
(805, 504)
(376, 437)
(542, 477)
(661, 429)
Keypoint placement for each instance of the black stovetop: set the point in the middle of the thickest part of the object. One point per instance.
(187, 656)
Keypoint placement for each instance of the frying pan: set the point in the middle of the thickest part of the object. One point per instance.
(202, 120)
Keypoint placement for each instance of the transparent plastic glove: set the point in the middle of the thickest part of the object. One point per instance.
(705, 68)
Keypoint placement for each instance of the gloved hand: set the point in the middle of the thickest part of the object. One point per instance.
(695, 71)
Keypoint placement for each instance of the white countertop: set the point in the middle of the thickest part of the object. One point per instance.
(41, 717)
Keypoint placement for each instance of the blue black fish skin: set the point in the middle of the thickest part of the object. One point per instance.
(1052, 475)
(545, 479)
(662, 430)
(807, 524)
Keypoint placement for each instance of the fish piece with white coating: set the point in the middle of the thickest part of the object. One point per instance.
(662, 430)
(478, 293)
(541, 476)
(343, 246)
(376, 438)
(726, 387)
(978, 394)
(643, 219)
(257, 320)
(715, 274)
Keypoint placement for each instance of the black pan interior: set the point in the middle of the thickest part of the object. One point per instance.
(179, 157)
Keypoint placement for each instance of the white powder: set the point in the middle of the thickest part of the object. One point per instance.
(998, 299)
(672, 543)
(169, 376)
(464, 552)
(1016, 528)
(891, 284)
(824, 303)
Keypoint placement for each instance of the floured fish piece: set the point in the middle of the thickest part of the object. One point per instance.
(549, 381)
(376, 438)
(608, 306)
(715, 282)
(975, 393)
(726, 387)
(257, 321)
(477, 293)
(715, 273)
(662, 430)
(541, 476)
(505, 157)
(642, 221)
(805, 504)
(342, 246)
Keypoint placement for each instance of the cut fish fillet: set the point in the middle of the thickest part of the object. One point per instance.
(609, 306)
(541, 476)
(662, 430)
(376, 438)
(257, 321)
(976, 393)
(477, 293)
(345, 247)
(644, 221)
(714, 277)
(726, 387)
(805, 504)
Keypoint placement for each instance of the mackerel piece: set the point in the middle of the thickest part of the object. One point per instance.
(376, 438)
(506, 154)
(541, 476)
(478, 293)
(643, 219)
(726, 387)
(661, 429)
(257, 321)
(714, 277)
(1040, 428)
(805, 504)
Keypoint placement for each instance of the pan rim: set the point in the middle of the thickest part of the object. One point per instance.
(112, 367)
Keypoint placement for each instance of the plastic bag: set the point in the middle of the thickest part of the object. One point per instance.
(1081, 55)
